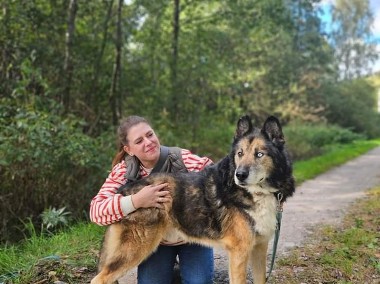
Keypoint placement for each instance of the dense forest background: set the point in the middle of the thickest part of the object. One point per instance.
(70, 70)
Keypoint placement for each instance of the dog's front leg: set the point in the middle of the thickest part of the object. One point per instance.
(238, 261)
(258, 261)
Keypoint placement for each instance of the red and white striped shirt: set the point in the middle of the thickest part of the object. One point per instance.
(107, 206)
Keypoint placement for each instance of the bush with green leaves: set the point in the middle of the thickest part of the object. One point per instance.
(306, 140)
(353, 105)
(46, 161)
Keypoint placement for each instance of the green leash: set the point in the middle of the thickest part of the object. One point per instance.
(276, 233)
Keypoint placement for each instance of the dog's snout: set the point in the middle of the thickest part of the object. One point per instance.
(242, 174)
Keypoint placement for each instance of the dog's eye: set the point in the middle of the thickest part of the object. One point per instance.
(259, 154)
(240, 153)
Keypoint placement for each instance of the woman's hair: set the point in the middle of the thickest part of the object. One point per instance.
(122, 133)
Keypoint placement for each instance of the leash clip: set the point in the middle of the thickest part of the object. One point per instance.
(280, 196)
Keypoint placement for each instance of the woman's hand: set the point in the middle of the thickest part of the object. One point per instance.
(151, 196)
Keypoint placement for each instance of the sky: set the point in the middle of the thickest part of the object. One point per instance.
(375, 7)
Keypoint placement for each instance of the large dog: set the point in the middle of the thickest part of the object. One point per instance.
(231, 204)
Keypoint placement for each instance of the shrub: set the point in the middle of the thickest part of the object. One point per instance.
(207, 136)
(306, 140)
(46, 161)
(353, 105)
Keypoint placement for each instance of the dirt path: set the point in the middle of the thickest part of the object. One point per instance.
(325, 198)
(322, 200)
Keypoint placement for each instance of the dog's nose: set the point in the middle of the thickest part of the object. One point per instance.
(242, 174)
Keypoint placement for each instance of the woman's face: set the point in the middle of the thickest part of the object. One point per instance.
(144, 144)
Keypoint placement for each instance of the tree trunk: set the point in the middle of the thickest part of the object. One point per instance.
(174, 61)
(96, 70)
(115, 101)
(4, 49)
(67, 67)
(98, 60)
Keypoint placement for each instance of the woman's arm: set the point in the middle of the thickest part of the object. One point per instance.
(193, 162)
(108, 206)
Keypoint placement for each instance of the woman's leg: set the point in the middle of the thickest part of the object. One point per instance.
(158, 268)
(196, 264)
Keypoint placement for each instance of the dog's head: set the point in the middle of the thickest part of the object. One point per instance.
(261, 161)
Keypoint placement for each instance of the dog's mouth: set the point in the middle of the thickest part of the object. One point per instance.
(246, 184)
(242, 184)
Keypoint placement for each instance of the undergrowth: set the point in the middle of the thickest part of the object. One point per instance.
(68, 256)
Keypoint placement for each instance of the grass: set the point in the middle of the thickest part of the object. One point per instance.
(349, 253)
(61, 254)
(335, 156)
(71, 255)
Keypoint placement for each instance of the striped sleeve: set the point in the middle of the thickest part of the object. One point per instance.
(193, 162)
(106, 206)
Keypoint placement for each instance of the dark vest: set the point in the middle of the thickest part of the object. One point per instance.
(172, 164)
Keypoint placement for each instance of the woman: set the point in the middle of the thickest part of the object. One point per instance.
(140, 152)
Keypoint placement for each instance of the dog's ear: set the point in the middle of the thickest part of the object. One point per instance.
(244, 126)
(272, 129)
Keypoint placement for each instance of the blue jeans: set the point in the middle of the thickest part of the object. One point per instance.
(196, 264)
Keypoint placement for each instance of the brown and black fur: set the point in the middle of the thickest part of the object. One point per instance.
(231, 204)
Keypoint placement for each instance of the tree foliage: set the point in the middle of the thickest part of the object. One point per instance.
(351, 37)
(352, 104)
